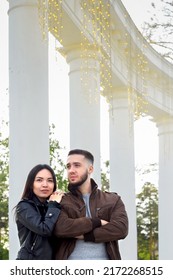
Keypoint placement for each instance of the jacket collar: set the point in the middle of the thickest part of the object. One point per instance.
(36, 201)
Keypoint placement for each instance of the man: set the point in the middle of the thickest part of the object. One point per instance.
(91, 221)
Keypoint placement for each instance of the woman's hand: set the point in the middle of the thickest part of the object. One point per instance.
(56, 196)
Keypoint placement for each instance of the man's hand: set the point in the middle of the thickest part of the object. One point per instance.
(81, 237)
(104, 222)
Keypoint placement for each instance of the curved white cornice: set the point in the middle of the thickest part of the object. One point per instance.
(135, 64)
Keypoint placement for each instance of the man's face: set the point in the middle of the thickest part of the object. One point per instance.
(78, 169)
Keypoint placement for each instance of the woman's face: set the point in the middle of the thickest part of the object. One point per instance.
(43, 184)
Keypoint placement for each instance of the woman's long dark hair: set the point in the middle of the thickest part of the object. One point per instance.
(28, 189)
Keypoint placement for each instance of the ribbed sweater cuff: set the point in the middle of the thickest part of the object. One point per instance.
(96, 222)
(89, 236)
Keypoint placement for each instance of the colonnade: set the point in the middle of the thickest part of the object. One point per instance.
(29, 126)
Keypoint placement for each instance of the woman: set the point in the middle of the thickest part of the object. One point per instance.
(36, 214)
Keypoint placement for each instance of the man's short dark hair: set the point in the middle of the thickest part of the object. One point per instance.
(85, 153)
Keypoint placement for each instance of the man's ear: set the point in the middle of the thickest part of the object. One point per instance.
(90, 169)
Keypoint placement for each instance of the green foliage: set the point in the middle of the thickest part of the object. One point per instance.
(4, 170)
(55, 160)
(105, 177)
(147, 222)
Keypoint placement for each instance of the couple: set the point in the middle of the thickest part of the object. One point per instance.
(85, 223)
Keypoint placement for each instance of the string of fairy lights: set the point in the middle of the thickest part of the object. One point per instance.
(95, 51)
(96, 19)
(50, 17)
(137, 90)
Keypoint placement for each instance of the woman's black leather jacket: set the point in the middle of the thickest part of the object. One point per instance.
(35, 223)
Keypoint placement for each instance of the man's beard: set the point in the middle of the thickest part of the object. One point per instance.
(76, 185)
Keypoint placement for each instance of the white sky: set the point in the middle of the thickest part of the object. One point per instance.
(138, 10)
(146, 145)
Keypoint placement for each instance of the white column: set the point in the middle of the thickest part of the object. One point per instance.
(122, 167)
(28, 87)
(165, 133)
(85, 106)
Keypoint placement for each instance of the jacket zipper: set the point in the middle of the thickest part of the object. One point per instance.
(34, 242)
